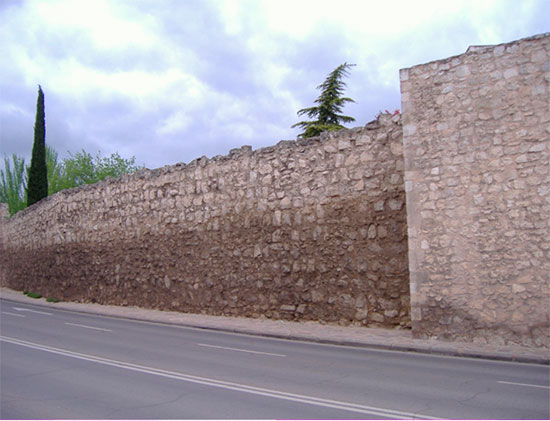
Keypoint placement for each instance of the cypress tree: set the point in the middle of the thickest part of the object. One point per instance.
(327, 113)
(37, 185)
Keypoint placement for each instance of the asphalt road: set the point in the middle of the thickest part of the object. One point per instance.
(60, 364)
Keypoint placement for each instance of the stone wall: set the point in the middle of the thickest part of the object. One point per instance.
(311, 229)
(4, 214)
(317, 229)
(476, 134)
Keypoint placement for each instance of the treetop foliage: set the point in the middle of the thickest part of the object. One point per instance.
(327, 114)
(81, 168)
(12, 184)
(74, 171)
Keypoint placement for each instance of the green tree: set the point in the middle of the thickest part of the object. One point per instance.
(37, 185)
(13, 181)
(55, 170)
(327, 114)
(76, 170)
(13, 184)
(114, 166)
(81, 168)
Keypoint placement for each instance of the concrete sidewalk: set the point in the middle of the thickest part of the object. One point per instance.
(374, 338)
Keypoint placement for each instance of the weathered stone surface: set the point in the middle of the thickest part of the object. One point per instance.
(272, 232)
(316, 229)
(478, 193)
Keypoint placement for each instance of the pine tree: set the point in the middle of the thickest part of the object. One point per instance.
(327, 113)
(37, 185)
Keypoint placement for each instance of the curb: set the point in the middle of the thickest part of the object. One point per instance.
(444, 349)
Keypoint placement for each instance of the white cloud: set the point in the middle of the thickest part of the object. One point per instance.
(176, 122)
(232, 13)
(13, 109)
(106, 22)
(127, 74)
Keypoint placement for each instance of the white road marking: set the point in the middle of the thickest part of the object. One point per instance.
(13, 314)
(524, 384)
(242, 350)
(32, 311)
(311, 400)
(89, 327)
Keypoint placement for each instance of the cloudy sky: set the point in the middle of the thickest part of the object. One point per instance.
(168, 81)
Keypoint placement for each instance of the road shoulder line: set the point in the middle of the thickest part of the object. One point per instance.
(445, 349)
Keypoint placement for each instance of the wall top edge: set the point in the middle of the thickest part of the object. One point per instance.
(383, 120)
(477, 49)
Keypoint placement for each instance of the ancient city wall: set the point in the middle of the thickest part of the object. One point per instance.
(476, 134)
(4, 213)
(313, 230)
(317, 229)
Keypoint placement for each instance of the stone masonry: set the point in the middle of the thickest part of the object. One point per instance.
(4, 213)
(311, 229)
(476, 132)
(317, 229)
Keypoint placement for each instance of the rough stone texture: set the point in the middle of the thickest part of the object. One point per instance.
(311, 229)
(476, 132)
(4, 213)
(316, 229)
